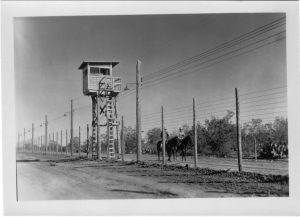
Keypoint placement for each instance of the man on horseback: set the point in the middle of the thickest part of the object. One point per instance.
(181, 134)
(166, 135)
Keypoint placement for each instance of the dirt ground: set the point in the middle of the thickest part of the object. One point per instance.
(41, 177)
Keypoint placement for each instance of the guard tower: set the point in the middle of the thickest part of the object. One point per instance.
(102, 87)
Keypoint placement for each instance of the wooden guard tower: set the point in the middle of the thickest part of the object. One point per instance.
(103, 88)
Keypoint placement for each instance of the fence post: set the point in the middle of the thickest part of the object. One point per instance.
(46, 133)
(32, 136)
(138, 112)
(50, 147)
(24, 136)
(163, 136)
(87, 141)
(57, 143)
(18, 144)
(61, 141)
(122, 140)
(238, 131)
(255, 150)
(79, 142)
(98, 130)
(195, 135)
(53, 143)
(66, 141)
(71, 130)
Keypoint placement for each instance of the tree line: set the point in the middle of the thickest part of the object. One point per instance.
(215, 137)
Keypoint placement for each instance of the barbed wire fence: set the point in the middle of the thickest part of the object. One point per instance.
(265, 104)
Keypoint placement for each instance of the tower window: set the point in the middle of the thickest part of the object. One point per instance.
(94, 70)
(104, 71)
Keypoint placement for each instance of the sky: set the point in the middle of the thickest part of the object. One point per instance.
(49, 50)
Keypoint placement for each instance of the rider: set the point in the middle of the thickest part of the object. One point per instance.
(180, 134)
(166, 135)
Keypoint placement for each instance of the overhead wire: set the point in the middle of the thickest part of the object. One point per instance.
(160, 79)
(221, 46)
(222, 60)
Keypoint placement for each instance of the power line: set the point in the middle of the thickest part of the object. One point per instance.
(149, 80)
(243, 99)
(152, 82)
(265, 90)
(221, 46)
(159, 79)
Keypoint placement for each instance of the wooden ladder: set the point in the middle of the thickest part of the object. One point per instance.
(110, 127)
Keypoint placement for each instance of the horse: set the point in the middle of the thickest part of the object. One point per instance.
(184, 143)
(171, 147)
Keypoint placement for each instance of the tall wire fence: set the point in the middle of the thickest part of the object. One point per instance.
(265, 104)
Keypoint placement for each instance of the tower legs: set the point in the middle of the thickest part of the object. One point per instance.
(107, 109)
(94, 147)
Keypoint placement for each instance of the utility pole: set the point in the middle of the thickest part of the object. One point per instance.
(138, 112)
(98, 128)
(32, 136)
(46, 133)
(238, 131)
(71, 131)
(53, 143)
(79, 142)
(195, 135)
(61, 141)
(24, 136)
(117, 128)
(18, 145)
(87, 141)
(255, 151)
(163, 136)
(57, 143)
(66, 141)
(122, 140)
(50, 149)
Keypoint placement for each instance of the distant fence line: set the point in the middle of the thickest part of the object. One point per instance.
(248, 106)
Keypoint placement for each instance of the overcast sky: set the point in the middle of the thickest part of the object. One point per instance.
(49, 50)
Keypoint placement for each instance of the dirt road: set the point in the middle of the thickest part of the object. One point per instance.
(39, 179)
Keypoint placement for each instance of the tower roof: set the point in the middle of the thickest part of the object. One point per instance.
(98, 63)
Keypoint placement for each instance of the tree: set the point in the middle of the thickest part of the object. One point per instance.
(252, 134)
(153, 136)
(219, 135)
(271, 138)
(130, 140)
(279, 137)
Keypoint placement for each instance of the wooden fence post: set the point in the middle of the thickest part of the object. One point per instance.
(66, 141)
(138, 112)
(255, 149)
(79, 142)
(71, 128)
(56, 143)
(163, 136)
(195, 135)
(46, 134)
(122, 140)
(61, 139)
(87, 141)
(32, 137)
(238, 131)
